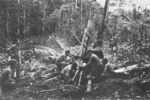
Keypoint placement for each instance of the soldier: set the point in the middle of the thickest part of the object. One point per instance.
(6, 81)
(94, 65)
(63, 60)
(70, 69)
(108, 68)
(108, 71)
(13, 64)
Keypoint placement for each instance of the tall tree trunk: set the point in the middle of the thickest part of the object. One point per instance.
(103, 24)
(24, 13)
(134, 12)
(7, 24)
(17, 47)
(44, 17)
(18, 17)
(81, 18)
(77, 3)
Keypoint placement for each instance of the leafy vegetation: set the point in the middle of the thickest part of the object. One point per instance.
(42, 27)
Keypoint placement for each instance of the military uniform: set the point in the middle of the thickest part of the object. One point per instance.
(94, 66)
(6, 81)
(63, 61)
(13, 64)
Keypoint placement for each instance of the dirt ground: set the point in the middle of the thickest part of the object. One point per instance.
(115, 88)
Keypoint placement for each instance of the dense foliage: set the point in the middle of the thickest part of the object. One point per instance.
(23, 19)
(35, 30)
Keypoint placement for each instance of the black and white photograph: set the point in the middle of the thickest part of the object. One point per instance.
(74, 49)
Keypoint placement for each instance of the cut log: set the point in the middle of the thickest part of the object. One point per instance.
(54, 78)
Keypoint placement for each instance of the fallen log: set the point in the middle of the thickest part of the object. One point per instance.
(121, 70)
(54, 78)
(129, 68)
(48, 90)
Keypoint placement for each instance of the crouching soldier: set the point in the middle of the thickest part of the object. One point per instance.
(63, 60)
(70, 70)
(6, 81)
(91, 67)
(108, 68)
(94, 65)
(108, 71)
(92, 70)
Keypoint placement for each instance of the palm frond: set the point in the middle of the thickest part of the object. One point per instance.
(42, 50)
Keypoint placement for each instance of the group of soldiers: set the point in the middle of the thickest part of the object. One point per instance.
(79, 69)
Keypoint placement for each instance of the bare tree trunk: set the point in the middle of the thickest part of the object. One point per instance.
(7, 24)
(18, 17)
(81, 18)
(77, 3)
(103, 23)
(134, 12)
(17, 48)
(44, 15)
(24, 12)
